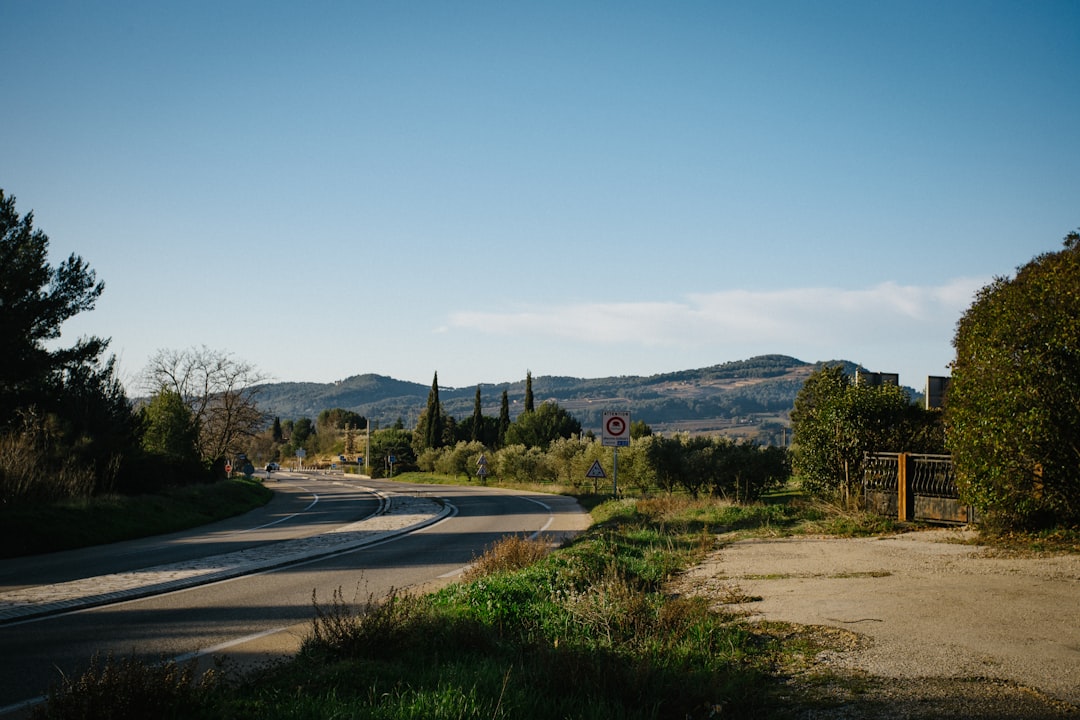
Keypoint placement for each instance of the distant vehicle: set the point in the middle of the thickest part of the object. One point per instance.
(271, 467)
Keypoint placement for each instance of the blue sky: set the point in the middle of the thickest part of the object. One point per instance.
(327, 189)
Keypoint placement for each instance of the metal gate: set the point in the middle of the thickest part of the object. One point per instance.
(912, 486)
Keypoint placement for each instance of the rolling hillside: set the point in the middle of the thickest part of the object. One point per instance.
(735, 398)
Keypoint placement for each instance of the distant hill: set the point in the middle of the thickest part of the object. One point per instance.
(746, 397)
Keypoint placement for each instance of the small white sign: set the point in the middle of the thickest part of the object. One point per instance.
(595, 472)
(616, 430)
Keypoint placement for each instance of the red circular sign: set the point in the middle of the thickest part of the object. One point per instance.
(616, 426)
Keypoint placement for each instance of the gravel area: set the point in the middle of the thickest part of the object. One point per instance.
(927, 624)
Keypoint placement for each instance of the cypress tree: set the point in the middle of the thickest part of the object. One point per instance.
(504, 418)
(477, 418)
(433, 432)
(529, 404)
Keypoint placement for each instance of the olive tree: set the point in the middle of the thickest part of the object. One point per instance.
(1013, 407)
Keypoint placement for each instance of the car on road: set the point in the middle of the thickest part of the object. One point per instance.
(271, 467)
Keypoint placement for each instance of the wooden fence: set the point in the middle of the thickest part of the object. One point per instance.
(912, 486)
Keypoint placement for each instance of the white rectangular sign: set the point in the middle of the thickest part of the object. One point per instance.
(616, 430)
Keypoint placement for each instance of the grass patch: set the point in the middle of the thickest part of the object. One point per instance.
(94, 521)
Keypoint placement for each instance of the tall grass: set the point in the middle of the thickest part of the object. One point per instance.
(129, 688)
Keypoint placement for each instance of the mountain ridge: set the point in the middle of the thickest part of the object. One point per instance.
(743, 393)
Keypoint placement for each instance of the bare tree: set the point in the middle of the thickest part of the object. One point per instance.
(221, 392)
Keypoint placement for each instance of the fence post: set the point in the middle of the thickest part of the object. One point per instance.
(905, 501)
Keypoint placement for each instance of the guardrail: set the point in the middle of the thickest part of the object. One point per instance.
(912, 486)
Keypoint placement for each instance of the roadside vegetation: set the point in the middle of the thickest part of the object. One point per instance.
(591, 630)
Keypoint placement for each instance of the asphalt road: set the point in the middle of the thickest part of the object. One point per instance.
(265, 614)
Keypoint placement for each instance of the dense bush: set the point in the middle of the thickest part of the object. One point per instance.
(1013, 408)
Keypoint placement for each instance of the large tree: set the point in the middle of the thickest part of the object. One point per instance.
(220, 391)
(542, 426)
(64, 405)
(1013, 406)
(35, 300)
(836, 423)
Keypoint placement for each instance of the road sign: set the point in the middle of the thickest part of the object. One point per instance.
(301, 453)
(596, 472)
(616, 430)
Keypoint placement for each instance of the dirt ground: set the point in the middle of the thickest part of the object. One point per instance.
(938, 627)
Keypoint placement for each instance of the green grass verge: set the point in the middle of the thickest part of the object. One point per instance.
(94, 521)
(588, 631)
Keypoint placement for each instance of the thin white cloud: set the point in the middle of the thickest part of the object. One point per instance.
(779, 318)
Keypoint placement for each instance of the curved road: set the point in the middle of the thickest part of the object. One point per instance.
(264, 614)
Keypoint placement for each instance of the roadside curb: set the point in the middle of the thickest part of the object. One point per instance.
(398, 514)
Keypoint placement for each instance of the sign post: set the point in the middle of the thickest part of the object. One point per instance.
(615, 434)
(596, 473)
